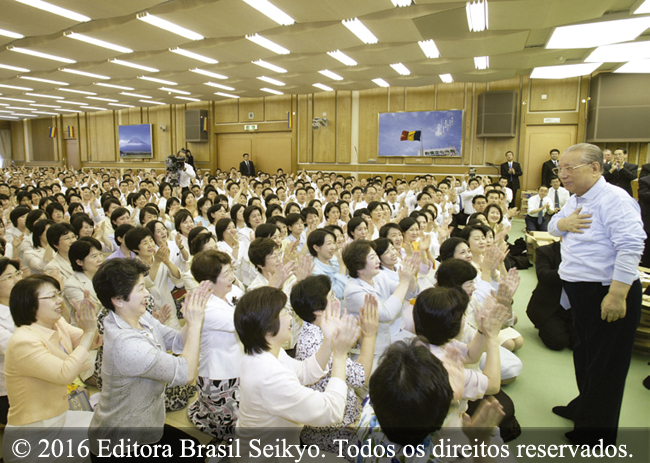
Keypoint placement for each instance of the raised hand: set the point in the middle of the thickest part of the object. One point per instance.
(163, 313)
(86, 311)
(346, 336)
(281, 275)
(369, 317)
(304, 267)
(507, 287)
(331, 320)
(493, 315)
(195, 302)
(410, 266)
(487, 416)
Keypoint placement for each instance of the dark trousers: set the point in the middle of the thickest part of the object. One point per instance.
(557, 331)
(601, 356)
(533, 225)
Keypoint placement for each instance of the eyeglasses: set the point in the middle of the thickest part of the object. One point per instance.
(558, 170)
(12, 276)
(57, 294)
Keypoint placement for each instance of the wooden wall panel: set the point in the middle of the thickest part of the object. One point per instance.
(450, 96)
(277, 107)
(397, 99)
(17, 141)
(304, 128)
(420, 98)
(496, 149)
(42, 144)
(159, 116)
(102, 136)
(478, 144)
(226, 111)
(508, 84)
(371, 103)
(178, 112)
(344, 126)
(82, 136)
(561, 94)
(324, 141)
(251, 105)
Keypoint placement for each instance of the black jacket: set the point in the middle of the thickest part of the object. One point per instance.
(623, 176)
(514, 183)
(247, 171)
(547, 172)
(545, 300)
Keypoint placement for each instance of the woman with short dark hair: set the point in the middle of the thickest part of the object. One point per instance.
(272, 388)
(41, 253)
(85, 258)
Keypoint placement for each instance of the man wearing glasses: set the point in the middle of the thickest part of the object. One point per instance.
(602, 242)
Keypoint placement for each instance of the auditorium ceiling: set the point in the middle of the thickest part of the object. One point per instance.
(515, 42)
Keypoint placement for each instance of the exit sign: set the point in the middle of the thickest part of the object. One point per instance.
(250, 127)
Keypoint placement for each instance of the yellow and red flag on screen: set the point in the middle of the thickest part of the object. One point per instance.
(70, 131)
(410, 136)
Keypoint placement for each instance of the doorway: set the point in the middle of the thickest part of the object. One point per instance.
(72, 153)
(540, 140)
(269, 151)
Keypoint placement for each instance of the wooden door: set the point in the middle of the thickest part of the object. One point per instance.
(268, 151)
(540, 140)
(72, 154)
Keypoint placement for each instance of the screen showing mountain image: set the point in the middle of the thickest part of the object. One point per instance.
(421, 133)
(135, 141)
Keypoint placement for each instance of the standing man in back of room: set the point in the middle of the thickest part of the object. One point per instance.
(246, 167)
(620, 172)
(512, 171)
(548, 166)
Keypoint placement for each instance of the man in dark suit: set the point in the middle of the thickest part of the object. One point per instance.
(246, 167)
(548, 166)
(554, 322)
(644, 202)
(620, 172)
(512, 171)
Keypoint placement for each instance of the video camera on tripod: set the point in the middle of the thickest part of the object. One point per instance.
(174, 165)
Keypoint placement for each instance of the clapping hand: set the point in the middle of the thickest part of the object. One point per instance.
(195, 302)
(331, 320)
(86, 311)
(281, 275)
(163, 313)
(487, 416)
(492, 317)
(346, 336)
(507, 287)
(304, 267)
(369, 317)
(410, 267)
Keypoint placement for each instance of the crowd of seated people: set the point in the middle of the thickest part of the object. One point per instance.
(276, 301)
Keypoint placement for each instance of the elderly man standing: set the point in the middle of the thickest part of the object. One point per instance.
(602, 241)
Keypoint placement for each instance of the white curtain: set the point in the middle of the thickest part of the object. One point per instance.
(5, 147)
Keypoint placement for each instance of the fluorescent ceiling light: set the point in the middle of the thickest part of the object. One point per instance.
(641, 66)
(362, 32)
(429, 48)
(102, 84)
(227, 95)
(133, 65)
(47, 81)
(643, 8)
(381, 82)
(223, 87)
(330, 74)
(10, 34)
(83, 73)
(72, 102)
(20, 108)
(266, 43)
(481, 62)
(56, 10)
(26, 89)
(13, 68)
(271, 11)
(272, 81)
(95, 107)
(401, 3)
(477, 15)
(70, 111)
(401, 69)
(12, 118)
(342, 57)
(270, 90)
(45, 106)
(75, 91)
(153, 102)
(54, 97)
(101, 99)
(596, 34)
(446, 78)
(159, 81)
(208, 73)
(182, 92)
(46, 113)
(187, 98)
(564, 71)
(121, 105)
(324, 87)
(269, 66)
(99, 43)
(137, 95)
(620, 53)
(38, 54)
(26, 115)
(196, 56)
(4, 98)
(169, 26)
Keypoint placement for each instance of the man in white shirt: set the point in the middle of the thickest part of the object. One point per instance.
(558, 194)
(503, 181)
(474, 188)
(540, 209)
(187, 175)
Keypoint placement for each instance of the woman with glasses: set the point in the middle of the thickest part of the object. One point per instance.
(43, 356)
(9, 275)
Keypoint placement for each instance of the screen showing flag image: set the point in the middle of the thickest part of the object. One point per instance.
(421, 133)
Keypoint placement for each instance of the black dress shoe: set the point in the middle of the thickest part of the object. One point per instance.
(564, 412)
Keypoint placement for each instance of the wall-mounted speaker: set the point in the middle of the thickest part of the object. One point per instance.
(196, 125)
(497, 113)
